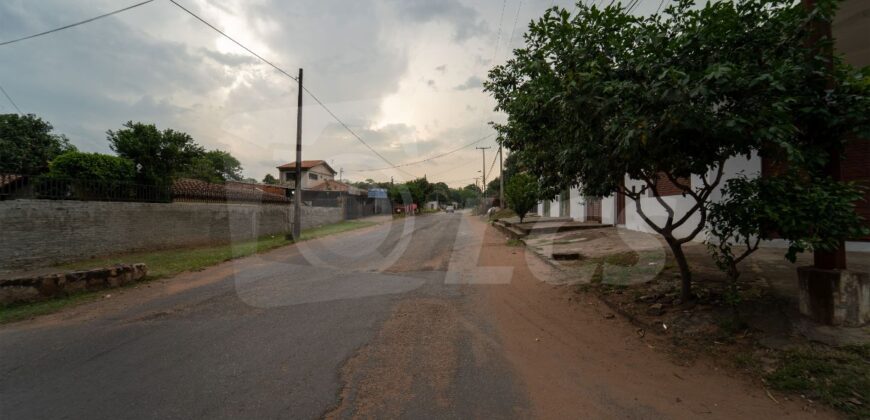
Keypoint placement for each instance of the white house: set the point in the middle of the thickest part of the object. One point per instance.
(622, 211)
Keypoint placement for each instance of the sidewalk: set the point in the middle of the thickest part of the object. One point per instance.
(642, 262)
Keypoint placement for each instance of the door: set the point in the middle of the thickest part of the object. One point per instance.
(620, 208)
(593, 210)
(564, 204)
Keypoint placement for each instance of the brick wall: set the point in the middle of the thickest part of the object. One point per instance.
(665, 187)
(37, 233)
(856, 167)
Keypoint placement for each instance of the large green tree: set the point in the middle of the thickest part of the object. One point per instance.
(160, 156)
(419, 190)
(92, 167)
(216, 166)
(600, 95)
(27, 144)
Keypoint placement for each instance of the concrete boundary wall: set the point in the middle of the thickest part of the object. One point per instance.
(38, 233)
(42, 287)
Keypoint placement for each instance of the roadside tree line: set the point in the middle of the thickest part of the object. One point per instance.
(143, 155)
(419, 191)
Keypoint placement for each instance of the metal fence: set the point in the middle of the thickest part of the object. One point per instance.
(57, 188)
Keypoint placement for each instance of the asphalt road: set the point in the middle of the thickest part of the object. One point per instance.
(357, 324)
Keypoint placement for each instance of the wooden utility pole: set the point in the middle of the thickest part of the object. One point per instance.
(483, 187)
(501, 178)
(297, 194)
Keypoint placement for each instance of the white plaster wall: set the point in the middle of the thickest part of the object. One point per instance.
(608, 210)
(578, 208)
(681, 205)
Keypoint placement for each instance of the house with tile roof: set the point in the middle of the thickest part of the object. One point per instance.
(314, 172)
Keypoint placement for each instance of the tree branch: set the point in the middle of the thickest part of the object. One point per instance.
(655, 191)
(655, 227)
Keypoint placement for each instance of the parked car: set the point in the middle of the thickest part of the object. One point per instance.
(449, 209)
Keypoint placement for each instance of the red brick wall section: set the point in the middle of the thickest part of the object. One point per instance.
(856, 167)
(666, 187)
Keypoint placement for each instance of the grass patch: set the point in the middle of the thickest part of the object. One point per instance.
(514, 242)
(503, 214)
(170, 262)
(839, 377)
(20, 311)
(167, 263)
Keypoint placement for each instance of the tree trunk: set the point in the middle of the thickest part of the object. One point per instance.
(685, 273)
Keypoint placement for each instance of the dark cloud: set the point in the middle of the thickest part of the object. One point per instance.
(473, 82)
(463, 18)
(157, 64)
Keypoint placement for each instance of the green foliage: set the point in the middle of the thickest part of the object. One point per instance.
(92, 166)
(521, 194)
(839, 377)
(167, 263)
(441, 192)
(600, 94)
(493, 188)
(269, 179)
(27, 144)
(163, 155)
(214, 166)
(809, 213)
(167, 155)
(469, 195)
(419, 189)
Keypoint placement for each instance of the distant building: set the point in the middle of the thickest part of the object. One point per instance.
(314, 172)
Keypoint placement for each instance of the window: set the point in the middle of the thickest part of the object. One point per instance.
(312, 176)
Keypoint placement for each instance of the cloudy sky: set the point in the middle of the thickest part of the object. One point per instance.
(403, 74)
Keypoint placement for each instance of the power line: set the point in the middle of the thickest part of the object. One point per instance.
(498, 36)
(329, 111)
(234, 41)
(516, 18)
(75, 24)
(658, 9)
(431, 157)
(464, 163)
(11, 101)
(305, 89)
(492, 166)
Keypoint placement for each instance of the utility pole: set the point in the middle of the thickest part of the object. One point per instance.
(297, 194)
(483, 187)
(340, 174)
(501, 178)
(475, 184)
